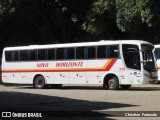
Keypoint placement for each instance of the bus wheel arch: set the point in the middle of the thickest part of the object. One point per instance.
(111, 82)
(39, 81)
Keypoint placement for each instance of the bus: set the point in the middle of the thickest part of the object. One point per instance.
(157, 56)
(112, 64)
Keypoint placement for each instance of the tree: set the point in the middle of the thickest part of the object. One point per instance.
(129, 16)
(132, 13)
(99, 17)
(43, 21)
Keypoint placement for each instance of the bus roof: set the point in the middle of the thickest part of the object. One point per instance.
(101, 42)
(157, 46)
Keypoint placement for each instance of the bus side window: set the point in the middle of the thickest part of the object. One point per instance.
(33, 55)
(113, 51)
(80, 53)
(23, 55)
(86, 53)
(101, 52)
(91, 53)
(41, 54)
(15, 55)
(60, 53)
(65, 53)
(8, 56)
(51, 54)
(70, 53)
(110, 51)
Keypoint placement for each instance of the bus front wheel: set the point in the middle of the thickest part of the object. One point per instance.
(39, 82)
(111, 84)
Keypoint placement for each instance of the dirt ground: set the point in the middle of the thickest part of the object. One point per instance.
(83, 102)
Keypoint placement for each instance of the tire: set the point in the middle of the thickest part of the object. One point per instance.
(125, 87)
(56, 86)
(111, 84)
(39, 82)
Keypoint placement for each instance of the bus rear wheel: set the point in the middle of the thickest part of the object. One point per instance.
(111, 84)
(39, 82)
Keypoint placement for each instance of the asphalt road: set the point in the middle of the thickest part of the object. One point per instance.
(89, 101)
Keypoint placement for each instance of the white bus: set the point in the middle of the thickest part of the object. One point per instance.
(157, 56)
(108, 63)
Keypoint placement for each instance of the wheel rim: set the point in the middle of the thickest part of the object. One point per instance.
(39, 82)
(111, 83)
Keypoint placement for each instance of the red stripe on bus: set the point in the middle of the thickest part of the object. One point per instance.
(109, 66)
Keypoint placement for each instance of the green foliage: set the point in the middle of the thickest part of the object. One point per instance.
(49, 18)
(129, 15)
(96, 17)
(132, 13)
(7, 8)
(71, 19)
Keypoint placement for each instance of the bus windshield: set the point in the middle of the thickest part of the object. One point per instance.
(148, 59)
